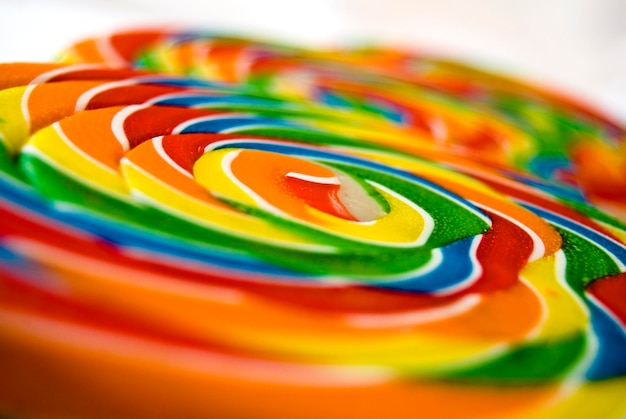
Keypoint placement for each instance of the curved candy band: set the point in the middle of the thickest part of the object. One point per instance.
(213, 226)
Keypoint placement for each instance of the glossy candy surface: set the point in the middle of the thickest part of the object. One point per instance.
(196, 225)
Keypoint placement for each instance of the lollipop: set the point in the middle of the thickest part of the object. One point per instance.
(197, 225)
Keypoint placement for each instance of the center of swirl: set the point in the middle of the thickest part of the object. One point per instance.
(339, 195)
(290, 184)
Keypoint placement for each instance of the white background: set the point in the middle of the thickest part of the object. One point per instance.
(575, 45)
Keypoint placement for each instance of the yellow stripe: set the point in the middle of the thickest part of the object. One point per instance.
(51, 144)
(404, 350)
(13, 127)
(402, 225)
(605, 399)
(564, 315)
(180, 204)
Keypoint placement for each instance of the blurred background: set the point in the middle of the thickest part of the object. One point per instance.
(578, 46)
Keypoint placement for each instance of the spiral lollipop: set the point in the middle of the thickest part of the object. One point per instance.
(200, 225)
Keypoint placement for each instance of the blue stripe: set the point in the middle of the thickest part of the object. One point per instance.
(24, 269)
(191, 100)
(456, 267)
(130, 237)
(610, 358)
(184, 82)
(227, 123)
(554, 189)
(612, 247)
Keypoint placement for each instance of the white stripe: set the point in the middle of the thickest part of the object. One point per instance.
(539, 248)
(57, 127)
(24, 106)
(235, 130)
(414, 318)
(186, 124)
(199, 51)
(561, 278)
(176, 95)
(244, 61)
(108, 52)
(620, 264)
(477, 271)
(314, 179)
(157, 143)
(436, 257)
(429, 223)
(42, 78)
(86, 97)
(606, 310)
(262, 203)
(438, 128)
(68, 206)
(117, 124)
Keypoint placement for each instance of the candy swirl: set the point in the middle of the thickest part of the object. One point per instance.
(358, 233)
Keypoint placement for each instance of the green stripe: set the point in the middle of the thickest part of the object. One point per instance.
(586, 261)
(535, 363)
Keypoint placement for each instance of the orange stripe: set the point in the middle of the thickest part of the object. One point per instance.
(91, 132)
(51, 102)
(506, 315)
(146, 157)
(270, 184)
(20, 74)
(108, 382)
(85, 52)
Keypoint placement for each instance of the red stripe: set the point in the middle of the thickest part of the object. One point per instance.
(611, 291)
